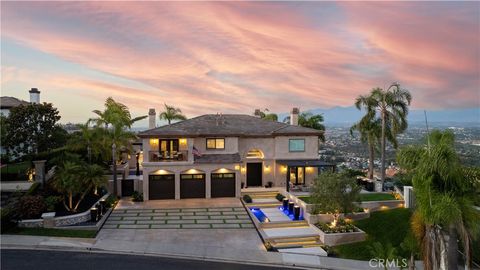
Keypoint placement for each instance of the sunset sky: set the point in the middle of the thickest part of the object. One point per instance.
(234, 57)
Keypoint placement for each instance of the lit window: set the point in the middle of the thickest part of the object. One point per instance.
(216, 143)
(296, 145)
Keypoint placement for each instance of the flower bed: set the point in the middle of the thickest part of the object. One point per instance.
(340, 227)
(342, 233)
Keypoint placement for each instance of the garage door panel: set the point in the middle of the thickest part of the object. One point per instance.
(223, 185)
(192, 186)
(161, 187)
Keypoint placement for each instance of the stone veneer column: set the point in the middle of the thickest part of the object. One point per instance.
(177, 186)
(145, 176)
(40, 171)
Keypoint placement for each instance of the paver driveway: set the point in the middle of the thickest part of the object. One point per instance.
(180, 218)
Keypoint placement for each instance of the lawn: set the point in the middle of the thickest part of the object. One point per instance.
(54, 232)
(385, 227)
(367, 197)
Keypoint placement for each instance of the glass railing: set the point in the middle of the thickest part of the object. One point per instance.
(165, 156)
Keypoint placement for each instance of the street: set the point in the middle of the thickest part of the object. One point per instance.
(53, 260)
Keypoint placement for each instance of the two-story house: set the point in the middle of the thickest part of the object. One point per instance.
(216, 155)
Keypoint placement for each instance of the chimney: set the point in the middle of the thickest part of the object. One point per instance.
(34, 96)
(257, 113)
(152, 119)
(294, 116)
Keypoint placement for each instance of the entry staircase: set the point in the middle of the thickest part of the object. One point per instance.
(282, 234)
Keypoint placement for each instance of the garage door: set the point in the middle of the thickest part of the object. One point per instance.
(223, 185)
(192, 186)
(161, 187)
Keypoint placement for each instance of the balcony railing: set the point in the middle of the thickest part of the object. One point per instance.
(165, 156)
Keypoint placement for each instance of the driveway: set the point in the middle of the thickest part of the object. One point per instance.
(178, 214)
(215, 228)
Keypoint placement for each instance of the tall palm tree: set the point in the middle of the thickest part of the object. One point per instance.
(369, 128)
(392, 106)
(444, 194)
(171, 113)
(117, 121)
(309, 120)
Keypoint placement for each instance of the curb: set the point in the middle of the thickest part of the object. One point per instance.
(159, 255)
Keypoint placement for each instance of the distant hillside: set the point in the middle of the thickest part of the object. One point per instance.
(349, 115)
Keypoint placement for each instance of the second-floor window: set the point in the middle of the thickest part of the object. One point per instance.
(215, 143)
(296, 145)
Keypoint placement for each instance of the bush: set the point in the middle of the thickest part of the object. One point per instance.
(111, 201)
(31, 207)
(7, 215)
(341, 227)
(137, 196)
(247, 198)
(51, 202)
(33, 189)
(279, 197)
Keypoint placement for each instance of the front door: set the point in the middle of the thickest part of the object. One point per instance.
(254, 174)
(297, 175)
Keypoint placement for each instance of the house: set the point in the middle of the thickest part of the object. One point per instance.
(7, 103)
(216, 155)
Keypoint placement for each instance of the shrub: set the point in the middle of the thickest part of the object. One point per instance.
(341, 227)
(111, 201)
(279, 197)
(31, 206)
(33, 189)
(137, 196)
(51, 202)
(7, 215)
(247, 198)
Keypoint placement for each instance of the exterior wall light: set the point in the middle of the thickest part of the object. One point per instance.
(237, 167)
(267, 168)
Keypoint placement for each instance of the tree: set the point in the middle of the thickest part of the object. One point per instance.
(445, 195)
(265, 114)
(309, 120)
(32, 128)
(335, 193)
(115, 135)
(67, 181)
(392, 106)
(379, 251)
(171, 113)
(369, 128)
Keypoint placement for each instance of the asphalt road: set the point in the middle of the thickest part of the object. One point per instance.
(53, 260)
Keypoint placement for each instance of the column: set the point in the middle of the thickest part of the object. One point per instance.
(40, 171)
(177, 186)
(208, 184)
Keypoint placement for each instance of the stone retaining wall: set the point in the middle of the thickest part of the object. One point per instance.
(60, 221)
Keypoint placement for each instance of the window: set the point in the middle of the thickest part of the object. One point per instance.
(192, 176)
(296, 145)
(216, 143)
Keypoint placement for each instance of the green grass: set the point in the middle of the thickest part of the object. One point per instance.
(54, 232)
(385, 227)
(367, 197)
(306, 199)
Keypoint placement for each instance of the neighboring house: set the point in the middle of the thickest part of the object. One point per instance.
(212, 155)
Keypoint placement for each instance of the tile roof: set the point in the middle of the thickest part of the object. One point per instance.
(228, 125)
(218, 158)
(10, 102)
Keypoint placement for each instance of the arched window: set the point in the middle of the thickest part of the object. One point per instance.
(254, 153)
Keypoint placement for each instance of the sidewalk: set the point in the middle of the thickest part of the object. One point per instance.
(179, 250)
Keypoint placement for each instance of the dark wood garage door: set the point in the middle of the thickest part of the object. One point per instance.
(223, 185)
(127, 187)
(161, 187)
(192, 186)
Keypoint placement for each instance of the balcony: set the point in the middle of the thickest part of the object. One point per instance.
(165, 156)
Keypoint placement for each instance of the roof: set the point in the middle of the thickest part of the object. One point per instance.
(218, 158)
(305, 162)
(10, 102)
(228, 125)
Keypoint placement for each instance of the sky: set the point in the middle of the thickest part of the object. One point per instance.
(232, 57)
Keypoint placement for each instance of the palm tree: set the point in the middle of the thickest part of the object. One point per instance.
(116, 119)
(445, 193)
(309, 120)
(392, 106)
(171, 113)
(67, 181)
(369, 128)
(92, 176)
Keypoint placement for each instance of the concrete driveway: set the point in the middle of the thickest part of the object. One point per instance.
(215, 228)
(178, 214)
